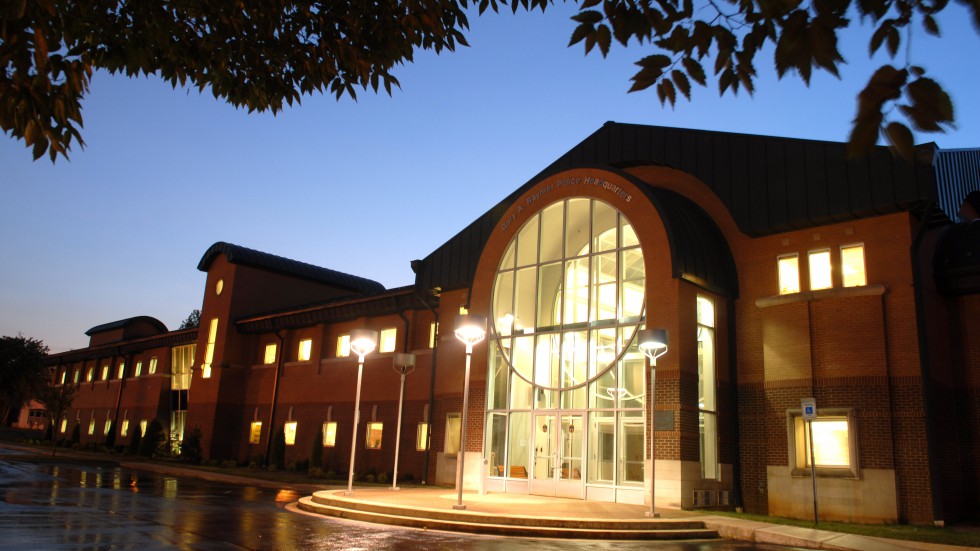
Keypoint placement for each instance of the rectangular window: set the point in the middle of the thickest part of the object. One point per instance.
(707, 387)
(789, 274)
(91, 426)
(422, 437)
(270, 354)
(852, 266)
(153, 366)
(124, 429)
(329, 434)
(343, 346)
(138, 370)
(105, 372)
(108, 425)
(255, 432)
(181, 368)
(122, 370)
(290, 430)
(305, 349)
(453, 427)
(386, 341)
(76, 376)
(433, 334)
(834, 442)
(64, 375)
(372, 440)
(209, 351)
(142, 427)
(820, 270)
(64, 425)
(89, 374)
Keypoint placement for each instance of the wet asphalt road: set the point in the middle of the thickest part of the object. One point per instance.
(63, 505)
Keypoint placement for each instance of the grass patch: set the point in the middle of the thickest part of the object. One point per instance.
(954, 535)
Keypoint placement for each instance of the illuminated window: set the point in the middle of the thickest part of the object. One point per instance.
(255, 432)
(105, 372)
(707, 401)
(852, 266)
(124, 429)
(305, 348)
(372, 440)
(422, 437)
(64, 375)
(290, 430)
(138, 370)
(453, 424)
(181, 368)
(433, 334)
(820, 270)
(64, 425)
(122, 370)
(89, 374)
(142, 427)
(270, 354)
(91, 426)
(789, 274)
(209, 351)
(834, 442)
(153, 366)
(329, 434)
(343, 346)
(386, 342)
(76, 376)
(108, 425)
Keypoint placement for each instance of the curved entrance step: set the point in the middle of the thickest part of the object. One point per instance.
(511, 523)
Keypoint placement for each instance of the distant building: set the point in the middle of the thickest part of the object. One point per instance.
(780, 270)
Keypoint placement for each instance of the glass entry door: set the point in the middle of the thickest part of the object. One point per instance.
(558, 453)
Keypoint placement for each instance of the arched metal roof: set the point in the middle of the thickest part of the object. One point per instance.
(157, 324)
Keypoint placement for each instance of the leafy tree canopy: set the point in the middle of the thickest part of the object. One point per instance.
(192, 320)
(264, 55)
(22, 373)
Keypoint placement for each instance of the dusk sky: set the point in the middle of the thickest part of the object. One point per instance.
(363, 187)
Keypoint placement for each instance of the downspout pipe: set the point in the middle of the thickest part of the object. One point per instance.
(275, 393)
(736, 438)
(928, 406)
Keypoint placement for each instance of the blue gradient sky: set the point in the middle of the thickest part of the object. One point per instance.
(118, 231)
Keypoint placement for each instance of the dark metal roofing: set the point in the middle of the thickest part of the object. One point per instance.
(769, 184)
(173, 338)
(125, 322)
(958, 171)
(957, 260)
(342, 309)
(237, 254)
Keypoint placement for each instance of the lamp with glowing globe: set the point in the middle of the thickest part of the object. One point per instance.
(653, 344)
(362, 343)
(470, 330)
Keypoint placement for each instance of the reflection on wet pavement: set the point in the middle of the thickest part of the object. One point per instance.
(55, 504)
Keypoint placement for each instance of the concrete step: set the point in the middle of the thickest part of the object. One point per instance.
(509, 525)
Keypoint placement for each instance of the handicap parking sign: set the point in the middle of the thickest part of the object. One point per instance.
(809, 406)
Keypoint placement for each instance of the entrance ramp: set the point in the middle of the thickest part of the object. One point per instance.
(506, 515)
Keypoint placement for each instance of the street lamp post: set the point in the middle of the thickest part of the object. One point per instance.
(470, 330)
(403, 364)
(653, 344)
(362, 342)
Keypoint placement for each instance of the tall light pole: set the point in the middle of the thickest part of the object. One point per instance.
(362, 342)
(470, 330)
(403, 364)
(653, 344)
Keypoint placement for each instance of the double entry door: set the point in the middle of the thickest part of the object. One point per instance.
(557, 467)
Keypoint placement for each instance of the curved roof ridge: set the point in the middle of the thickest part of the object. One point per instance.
(236, 254)
(124, 322)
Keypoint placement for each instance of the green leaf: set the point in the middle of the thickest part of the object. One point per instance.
(682, 83)
(603, 38)
(694, 70)
(901, 140)
(588, 16)
(582, 31)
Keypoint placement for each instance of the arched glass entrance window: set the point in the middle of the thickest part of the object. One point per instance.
(565, 395)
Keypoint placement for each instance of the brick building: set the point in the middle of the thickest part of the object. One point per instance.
(780, 270)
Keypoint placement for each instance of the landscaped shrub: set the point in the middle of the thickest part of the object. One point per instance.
(136, 440)
(383, 478)
(49, 432)
(278, 459)
(190, 449)
(76, 433)
(110, 437)
(153, 439)
(316, 454)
